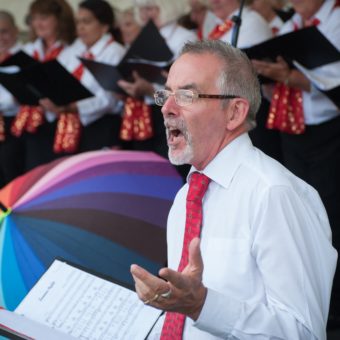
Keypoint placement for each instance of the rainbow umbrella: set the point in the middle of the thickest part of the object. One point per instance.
(102, 210)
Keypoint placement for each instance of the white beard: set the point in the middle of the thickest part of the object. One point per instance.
(186, 156)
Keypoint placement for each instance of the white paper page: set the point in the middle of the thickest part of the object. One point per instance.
(10, 69)
(28, 329)
(85, 306)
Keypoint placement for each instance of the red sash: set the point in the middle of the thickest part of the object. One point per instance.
(137, 122)
(221, 29)
(286, 107)
(29, 118)
(68, 132)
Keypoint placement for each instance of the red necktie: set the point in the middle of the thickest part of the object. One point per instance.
(174, 322)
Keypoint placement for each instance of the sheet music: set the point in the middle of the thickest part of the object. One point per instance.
(86, 306)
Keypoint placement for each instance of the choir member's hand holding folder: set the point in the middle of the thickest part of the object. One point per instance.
(29, 81)
(149, 56)
(76, 303)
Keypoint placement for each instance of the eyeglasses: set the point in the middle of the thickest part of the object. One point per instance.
(186, 97)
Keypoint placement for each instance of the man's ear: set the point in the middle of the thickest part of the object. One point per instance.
(237, 112)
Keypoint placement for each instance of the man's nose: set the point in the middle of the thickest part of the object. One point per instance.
(170, 107)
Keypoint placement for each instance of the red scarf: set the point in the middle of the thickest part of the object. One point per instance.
(137, 121)
(29, 118)
(68, 132)
(286, 107)
(221, 29)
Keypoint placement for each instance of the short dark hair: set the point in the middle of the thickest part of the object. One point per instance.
(102, 11)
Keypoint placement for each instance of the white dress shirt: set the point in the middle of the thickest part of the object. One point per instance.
(8, 104)
(254, 29)
(318, 108)
(266, 248)
(103, 102)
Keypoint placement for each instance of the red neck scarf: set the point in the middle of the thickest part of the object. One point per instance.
(221, 29)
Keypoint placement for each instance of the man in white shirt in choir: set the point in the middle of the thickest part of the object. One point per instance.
(11, 148)
(253, 258)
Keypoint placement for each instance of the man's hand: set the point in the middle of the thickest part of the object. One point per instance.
(187, 293)
(139, 88)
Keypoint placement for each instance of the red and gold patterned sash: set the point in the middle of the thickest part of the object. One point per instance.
(68, 132)
(137, 122)
(221, 29)
(29, 118)
(286, 107)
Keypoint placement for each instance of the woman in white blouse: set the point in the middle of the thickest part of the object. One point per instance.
(99, 115)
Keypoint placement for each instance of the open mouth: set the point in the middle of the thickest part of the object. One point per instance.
(174, 135)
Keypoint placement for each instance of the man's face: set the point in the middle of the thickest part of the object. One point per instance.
(306, 8)
(196, 132)
(8, 35)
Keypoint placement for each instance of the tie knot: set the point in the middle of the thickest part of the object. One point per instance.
(197, 187)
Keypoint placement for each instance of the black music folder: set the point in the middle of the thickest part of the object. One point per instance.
(42, 80)
(20, 59)
(308, 46)
(149, 46)
(106, 75)
(149, 55)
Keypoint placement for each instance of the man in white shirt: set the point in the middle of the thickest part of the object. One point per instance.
(264, 265)
(314, 153)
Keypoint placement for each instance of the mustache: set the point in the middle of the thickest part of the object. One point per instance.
(175, 123)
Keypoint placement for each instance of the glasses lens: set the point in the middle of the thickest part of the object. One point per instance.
(160, 97)
(184, 97)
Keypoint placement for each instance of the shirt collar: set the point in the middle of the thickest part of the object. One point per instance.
(322, 14)
(228, 159)
(100, 45)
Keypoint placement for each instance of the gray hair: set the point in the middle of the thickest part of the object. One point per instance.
(237, 77)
